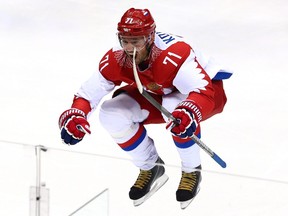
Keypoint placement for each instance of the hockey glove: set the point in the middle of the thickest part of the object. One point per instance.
(187, 123)
(73, 126)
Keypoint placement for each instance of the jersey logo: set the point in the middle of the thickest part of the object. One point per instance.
(152, 86)
(166, 38)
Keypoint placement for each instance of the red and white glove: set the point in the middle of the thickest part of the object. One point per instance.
(73, 126)
(188, 116)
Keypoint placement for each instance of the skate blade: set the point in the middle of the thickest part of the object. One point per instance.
(185, 204)
(155, 187)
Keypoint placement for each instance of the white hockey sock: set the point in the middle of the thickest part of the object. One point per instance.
(190, 157)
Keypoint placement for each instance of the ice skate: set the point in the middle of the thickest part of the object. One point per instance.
(189, 187)
(147, 183)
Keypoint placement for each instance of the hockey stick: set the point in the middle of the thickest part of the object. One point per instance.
(170, 116)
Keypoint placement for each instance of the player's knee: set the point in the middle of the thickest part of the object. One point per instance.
(113, 118)
(116, 121)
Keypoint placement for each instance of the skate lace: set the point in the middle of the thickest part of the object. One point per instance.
(188, 181)
(143, 178)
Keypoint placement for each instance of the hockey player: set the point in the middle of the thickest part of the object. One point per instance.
(176, 75)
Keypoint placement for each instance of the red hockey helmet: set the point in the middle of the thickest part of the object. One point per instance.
(136, 22)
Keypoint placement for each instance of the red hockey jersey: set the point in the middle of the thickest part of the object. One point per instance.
(173, 65)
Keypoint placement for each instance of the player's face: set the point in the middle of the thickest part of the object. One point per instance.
(139, 42)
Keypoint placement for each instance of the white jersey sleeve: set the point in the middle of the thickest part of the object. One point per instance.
(94, 89)
(189, 77)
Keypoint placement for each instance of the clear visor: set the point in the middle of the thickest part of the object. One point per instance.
(129, 42)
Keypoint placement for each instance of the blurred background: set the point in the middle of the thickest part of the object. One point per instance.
(48, 48)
